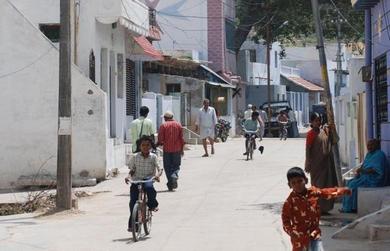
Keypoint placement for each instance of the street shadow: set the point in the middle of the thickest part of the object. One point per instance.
(123, 195)
(130, 240)
(275, 208)
(166, 191)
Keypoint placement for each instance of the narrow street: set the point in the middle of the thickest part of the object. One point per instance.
(223, 203)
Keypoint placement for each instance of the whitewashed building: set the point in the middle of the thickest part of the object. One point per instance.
(109, 45)
(350, 115)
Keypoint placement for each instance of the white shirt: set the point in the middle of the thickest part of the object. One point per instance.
(207, 118)
(248, 114)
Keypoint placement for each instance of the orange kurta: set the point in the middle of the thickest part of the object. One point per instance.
(301, 215)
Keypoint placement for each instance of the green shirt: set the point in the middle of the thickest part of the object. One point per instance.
(251, 125)
(135, 129)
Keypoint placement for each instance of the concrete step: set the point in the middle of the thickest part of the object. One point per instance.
(385, 202)
(379, 232)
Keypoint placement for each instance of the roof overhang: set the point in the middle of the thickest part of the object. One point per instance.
(221, 85)
(307, 85)
(140, 49)
(132, 27)
(364, 4)
(221, 82)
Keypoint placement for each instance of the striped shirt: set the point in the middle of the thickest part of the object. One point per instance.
(142, 167)
(170, 135)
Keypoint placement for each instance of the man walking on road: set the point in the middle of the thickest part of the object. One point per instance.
(170, 136)
(141, 126)
(205, 123)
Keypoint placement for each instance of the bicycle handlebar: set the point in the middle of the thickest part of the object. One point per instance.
(247, 131)
(141, 181)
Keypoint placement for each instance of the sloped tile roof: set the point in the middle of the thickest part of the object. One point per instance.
(304, 83)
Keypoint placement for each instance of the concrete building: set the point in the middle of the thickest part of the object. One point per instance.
(204, 30)
(301, 94)
(377, 64)
(108, 45)
(350, 115)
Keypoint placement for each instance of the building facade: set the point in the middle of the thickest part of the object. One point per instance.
(377, 43)
(109, 45)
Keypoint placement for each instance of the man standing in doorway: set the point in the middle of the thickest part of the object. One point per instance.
(170, 136)
(205, 123)
(141, 126)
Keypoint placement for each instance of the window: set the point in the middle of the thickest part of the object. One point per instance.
(51, 31)
(173, 89)
(131, 97)
(92, 66)
(381, 92)
(252, 56)
(229, 34)
(120, 90)
(276, 59)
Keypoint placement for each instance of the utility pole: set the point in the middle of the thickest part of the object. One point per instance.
(339, 69)
(329, 107)
(268, 44)
(64, 147)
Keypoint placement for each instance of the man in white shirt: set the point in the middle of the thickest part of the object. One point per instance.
(248, 112)
(205, 123)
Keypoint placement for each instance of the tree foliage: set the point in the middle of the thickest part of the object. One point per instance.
(257, 14)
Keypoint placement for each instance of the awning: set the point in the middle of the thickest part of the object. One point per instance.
(303, 83)
(145, 50)
(364, 4)
(125, 23)
(221, 81)
(220, 84)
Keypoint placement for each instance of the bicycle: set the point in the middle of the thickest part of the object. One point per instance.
(141, 215)
(250, 143)
(283, 130)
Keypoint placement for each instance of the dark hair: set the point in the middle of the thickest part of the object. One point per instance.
(146, 138)
(295, 172)
(144, 111)
(314, 116)
(255, 114)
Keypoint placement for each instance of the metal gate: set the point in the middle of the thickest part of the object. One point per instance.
(131, 98)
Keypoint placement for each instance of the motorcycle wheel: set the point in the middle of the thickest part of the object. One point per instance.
(223, 138)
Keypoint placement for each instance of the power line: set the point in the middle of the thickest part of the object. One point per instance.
(356, 30)
(28, 65)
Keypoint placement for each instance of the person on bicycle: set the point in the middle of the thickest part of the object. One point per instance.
(282, 121)
(143, 166)
(251, 125)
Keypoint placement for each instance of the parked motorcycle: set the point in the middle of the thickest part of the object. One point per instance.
(222, 129)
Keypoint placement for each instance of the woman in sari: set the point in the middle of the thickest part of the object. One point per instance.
(370, 174)
(319, 160)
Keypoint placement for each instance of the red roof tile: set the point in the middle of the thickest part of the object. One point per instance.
(148, 47)
(304, 83)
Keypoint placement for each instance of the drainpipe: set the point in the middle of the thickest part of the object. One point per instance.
(368, 58)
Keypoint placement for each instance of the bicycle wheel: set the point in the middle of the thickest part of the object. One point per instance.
(136, 222)
(148, 221)
(252, 145)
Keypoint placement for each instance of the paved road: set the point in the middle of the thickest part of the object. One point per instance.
(223, 203)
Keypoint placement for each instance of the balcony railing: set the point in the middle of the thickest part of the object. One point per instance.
(291, 71)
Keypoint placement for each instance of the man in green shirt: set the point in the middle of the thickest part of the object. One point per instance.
(251, 126)
(140, 127)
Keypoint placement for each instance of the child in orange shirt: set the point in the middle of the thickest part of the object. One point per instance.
(301, 211)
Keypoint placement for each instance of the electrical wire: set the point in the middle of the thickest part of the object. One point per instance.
(28, 65)
(386, 21)
(356, 30)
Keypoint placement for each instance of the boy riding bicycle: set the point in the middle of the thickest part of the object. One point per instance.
(251, 128)
(143, 166)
